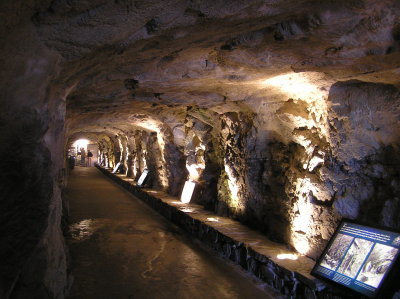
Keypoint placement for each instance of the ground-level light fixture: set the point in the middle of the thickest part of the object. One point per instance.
(212, 219)
(186, 210)
(287, 256)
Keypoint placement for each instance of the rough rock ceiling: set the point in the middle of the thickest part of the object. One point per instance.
(123, 59)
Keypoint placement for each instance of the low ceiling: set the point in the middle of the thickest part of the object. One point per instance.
(128, 64)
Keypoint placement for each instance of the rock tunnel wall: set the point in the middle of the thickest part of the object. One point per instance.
(200, 91)
(365, 152)
(296, 176)
(32, 251)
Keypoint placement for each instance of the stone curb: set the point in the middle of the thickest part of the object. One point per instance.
(245, 247)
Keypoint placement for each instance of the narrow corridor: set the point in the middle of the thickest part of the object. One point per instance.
(121, 248)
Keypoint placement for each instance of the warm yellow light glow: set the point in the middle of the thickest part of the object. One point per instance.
(177, 202)
(295, 85)
(80, 143)
(212, 219)
(151, 191)
(195, 165)
(135, 167)
(301, 244)
(303, 218)
(301, 221)
(314, 162)
(162, 174)
(150, 124)
(301, 226)
(233, 186)
(287, 256)
(187, 191)
(195, 171)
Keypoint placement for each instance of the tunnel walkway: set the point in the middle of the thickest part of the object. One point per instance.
(121, 248)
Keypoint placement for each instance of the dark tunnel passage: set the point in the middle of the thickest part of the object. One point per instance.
(284, 115)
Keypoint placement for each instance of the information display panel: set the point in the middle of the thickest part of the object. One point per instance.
(359, 257)
(143, 177)
(187, 191)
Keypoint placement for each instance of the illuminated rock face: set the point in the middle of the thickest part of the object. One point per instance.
(285, 113)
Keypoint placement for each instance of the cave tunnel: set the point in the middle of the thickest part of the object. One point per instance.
(284, 114)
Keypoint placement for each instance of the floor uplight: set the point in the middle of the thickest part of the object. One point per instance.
(186, 210)
(212, 219)
(287, 256)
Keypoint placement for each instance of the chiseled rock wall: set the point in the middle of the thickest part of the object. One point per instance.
(291, 171)
(246, 98)
(364, 173)
(343, 164)
(252, 100)
(32, 249)
(140, 149)
(309, 165)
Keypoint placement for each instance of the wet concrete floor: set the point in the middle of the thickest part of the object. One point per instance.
(121, 248)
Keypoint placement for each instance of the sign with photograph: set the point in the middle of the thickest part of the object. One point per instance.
(359, 257)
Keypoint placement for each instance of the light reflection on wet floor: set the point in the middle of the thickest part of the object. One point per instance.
(82, 230)
(120, 248)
